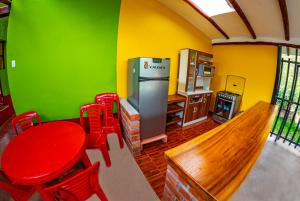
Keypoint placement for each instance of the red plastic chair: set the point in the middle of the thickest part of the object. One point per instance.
(25, 121)
(18, 193)
(112, 122)
(77, 188)
(96, 137)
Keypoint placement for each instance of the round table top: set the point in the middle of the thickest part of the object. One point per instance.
(43, 152)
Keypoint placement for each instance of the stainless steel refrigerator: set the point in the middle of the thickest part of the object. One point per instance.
(147, 91)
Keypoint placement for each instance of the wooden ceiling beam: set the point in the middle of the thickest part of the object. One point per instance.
(4, 11)
(208, 18)
(7, 2)
(258, 43)
(242, 15)
(285, 18)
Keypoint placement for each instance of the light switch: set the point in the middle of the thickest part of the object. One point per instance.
(13, 63)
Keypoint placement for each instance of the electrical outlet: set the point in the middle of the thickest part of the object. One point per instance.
(13, 63)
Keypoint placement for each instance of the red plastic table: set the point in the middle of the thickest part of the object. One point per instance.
(42, 153)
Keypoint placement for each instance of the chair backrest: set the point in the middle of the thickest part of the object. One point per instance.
(76, 188)
(16, 192)
(108, 99)
(25, 121)
(94, 112)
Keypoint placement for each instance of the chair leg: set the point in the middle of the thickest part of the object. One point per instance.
(120, 137)
(85, 159)
(105, 154)
(101, 194)
(108, 148)
(43, 194)
(22, 196)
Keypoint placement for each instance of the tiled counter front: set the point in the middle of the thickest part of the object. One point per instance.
(177, 189)
(131, 127)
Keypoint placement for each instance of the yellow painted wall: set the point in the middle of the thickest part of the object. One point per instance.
(148, 28)
(257, 63)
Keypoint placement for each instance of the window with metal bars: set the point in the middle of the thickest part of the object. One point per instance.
(287, 96)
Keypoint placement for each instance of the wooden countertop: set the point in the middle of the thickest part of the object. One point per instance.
(217, 162)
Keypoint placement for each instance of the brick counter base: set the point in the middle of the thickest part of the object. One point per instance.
(130, 119)
(176, 188)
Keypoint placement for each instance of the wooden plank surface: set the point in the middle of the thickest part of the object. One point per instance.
(218, 161)
(173, 108)
(176, 98)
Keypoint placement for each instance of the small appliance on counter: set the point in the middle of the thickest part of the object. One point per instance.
(147, 91)
(228, 102)
(205, 70)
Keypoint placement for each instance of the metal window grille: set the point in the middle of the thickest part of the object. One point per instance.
(287, 96)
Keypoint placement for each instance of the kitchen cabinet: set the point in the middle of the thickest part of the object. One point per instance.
(205, 105)
(190, 62)
(194, 107)
(194, 78)
(197, 107)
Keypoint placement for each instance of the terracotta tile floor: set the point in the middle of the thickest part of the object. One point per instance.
(152, 161)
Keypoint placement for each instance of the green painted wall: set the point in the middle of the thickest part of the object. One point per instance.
(65, 54)
(3, 73)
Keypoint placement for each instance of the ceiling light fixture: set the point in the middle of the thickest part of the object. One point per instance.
(213, 7)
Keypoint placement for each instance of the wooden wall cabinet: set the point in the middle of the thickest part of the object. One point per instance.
(189, 78)
(194, 85)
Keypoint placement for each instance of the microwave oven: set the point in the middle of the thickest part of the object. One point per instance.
(206, 70)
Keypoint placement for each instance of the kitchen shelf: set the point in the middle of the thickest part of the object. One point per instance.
(172, 108)
(173, 120)
(176, 99)
(175, 112)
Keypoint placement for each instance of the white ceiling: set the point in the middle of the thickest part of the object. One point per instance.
(263, 15)
(234, 25)
(293, 7)
(188, 13)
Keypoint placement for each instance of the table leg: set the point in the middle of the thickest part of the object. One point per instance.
(85, 159)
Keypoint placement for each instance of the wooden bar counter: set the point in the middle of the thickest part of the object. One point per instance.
(212, 166)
